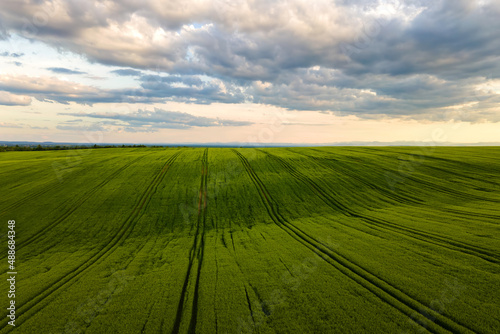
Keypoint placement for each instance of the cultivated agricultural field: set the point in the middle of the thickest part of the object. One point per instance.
(246, 240)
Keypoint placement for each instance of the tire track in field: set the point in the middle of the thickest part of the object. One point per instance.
(135, 215)
(129, 262)
(473, 214)
(34, 195)
(470, 247)
(449, 171)
(427, 237)
(436, 187)
(459, 212)
(34, 305)
(216, 225)
(383, 192)
(451, 192)
(74, 207)
(433, 157)
(162, 289)
(260, 303)
(249, 304)
(418, 312)
(202, 212)
(125, 268)
(196, 253)
(150, 310)
(49, 186)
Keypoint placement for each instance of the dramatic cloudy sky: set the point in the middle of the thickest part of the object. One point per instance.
(299, 71)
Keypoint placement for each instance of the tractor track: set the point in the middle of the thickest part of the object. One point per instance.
(34, 305)
(407, 231)
(321, 161)
(196, 253)
(45, 188)
(424, 316)
(451, 163)
(438, 188)
(350, 174)
(73, 208)
(432, 157)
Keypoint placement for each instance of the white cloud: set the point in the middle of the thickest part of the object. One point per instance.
(9, 99)
(151, 121)
(415, 59)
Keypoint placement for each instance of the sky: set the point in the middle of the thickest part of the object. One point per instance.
(304, 72)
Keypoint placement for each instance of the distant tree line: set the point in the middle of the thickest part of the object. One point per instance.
(40, 147)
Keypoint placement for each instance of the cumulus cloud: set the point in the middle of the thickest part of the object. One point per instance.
(416, 96)
(154, 89)
(9, 99)
(53, 89)
(192, 89)
(412, 59)
(234, 35)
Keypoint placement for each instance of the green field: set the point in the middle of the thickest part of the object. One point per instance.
(274, 240)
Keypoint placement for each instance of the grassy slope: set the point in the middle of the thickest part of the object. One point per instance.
(255, 240)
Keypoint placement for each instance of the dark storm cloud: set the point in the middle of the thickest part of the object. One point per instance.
(361, 57)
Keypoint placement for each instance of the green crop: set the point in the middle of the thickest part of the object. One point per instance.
(271, 240)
